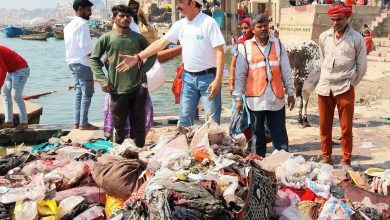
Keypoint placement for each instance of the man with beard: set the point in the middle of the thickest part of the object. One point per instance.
(78, 44)
(203, 58)
(263, 74)
(343, 65)
(128, 92)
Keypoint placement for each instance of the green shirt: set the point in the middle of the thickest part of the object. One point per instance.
(113, 44)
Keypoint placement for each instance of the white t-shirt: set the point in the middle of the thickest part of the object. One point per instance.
(198, 39)
(78, 41)
(134, 27)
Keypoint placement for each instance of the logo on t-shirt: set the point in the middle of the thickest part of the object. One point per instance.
(199, 37)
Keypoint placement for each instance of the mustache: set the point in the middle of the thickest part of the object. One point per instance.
(179, 9)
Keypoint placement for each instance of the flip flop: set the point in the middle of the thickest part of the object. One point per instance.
(14, 160)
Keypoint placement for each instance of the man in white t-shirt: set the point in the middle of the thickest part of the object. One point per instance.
(78, 45)
(203, 57)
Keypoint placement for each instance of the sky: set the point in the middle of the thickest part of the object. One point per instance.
(29, 4)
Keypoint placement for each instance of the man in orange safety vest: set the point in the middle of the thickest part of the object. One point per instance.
(263, 75)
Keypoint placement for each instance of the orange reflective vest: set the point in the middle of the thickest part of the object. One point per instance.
(257, 79)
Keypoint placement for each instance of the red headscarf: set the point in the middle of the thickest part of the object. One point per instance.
(338, 10)
(246, 21)
(242, 38)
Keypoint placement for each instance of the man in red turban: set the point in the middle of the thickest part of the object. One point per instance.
(344, 63)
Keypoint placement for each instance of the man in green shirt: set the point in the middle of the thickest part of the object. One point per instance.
(129, 89)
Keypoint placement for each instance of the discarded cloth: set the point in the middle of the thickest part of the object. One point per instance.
(45, 147)
(99, 145)
(125, 172)
(356, 194)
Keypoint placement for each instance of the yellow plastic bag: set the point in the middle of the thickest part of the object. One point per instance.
(47, 209)
(112, 204)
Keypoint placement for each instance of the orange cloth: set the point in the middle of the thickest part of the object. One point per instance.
(338, 10)
(178, 83)
(326, 106)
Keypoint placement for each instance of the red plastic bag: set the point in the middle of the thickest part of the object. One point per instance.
(178, 83)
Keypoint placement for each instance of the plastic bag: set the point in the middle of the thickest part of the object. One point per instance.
(335, 209)
(34, 191)
(47, 209)
(156, 77)
(292, 213)
(239, 122)
(200, 143)
(25, 210)
(325, 175)
(318, 189)
(68, 204)
(112, 204)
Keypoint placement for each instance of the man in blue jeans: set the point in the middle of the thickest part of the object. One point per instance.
(78, 44)
(203, 58)
(14, 72)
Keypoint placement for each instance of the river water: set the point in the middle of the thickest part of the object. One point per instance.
(50, 72)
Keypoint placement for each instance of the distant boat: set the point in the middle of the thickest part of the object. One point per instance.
(41, 36)
(16, 31)
(59, 34)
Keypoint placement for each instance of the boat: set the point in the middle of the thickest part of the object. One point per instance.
(16, 31)
(41, 36)
(59, 35)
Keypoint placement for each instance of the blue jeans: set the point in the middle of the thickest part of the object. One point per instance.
(14, 85)
(84, 90)
(276, 121)
(194, 88)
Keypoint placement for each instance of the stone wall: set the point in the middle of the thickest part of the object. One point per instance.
(309, 21)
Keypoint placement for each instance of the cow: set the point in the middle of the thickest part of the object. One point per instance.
(304, 61)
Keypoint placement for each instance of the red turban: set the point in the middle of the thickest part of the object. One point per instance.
(246, 21)
(338, 10)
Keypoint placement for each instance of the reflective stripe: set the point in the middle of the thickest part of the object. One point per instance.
(263, 64)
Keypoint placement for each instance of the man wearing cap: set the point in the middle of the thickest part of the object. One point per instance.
(203, 57)
(343, 65)
(78, 45)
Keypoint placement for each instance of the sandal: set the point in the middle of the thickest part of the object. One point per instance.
(21, 127)
(14, 160)
(8, 125)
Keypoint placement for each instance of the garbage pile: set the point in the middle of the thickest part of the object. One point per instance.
(200, 174)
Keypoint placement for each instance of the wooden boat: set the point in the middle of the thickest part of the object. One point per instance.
(16, 31)
(167, 54)
(59, 35)
(42, 36)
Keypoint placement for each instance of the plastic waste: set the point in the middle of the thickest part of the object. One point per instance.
(318, 189)
(33, 191)
(292, 213)
(68, 204)
(25, 210)
(156, 77)
(47, 209)
(335, 209)
(325, 175)
(200, 143)
(368, 145)
(112, 204)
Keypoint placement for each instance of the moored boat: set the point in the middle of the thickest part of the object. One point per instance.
(41, 36)
(16, 31)
(59, 35)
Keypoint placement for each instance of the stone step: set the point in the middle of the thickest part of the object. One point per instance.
(383, 42)
(375, 58)
(382, 49)
(383, 54)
